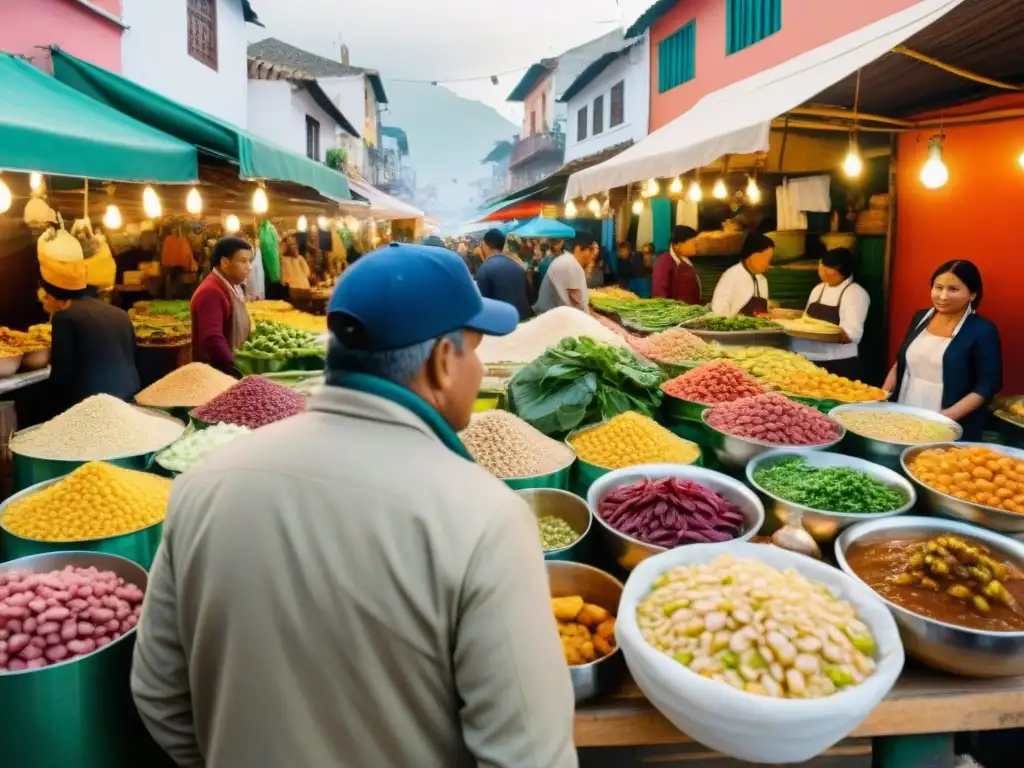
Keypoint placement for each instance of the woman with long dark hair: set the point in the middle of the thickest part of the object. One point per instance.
(950, 360)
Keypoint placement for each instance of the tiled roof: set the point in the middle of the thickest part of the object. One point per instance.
(279, 52)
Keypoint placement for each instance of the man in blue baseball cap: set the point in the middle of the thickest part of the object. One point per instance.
(347, 587)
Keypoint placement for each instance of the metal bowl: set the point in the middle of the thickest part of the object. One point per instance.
(138, 546)
(950, 506)
(962, 651)
(734, 451)
(10, 365)
(600, 588)
(567, 506)
(36, 359)
(629, 552)
(824, 525)
(89, 696)
(887, 452)
(675, 409)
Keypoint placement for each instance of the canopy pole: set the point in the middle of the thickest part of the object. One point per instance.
(855, 115)
(902, 49)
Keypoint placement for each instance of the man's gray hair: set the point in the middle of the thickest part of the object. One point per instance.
(396, 365)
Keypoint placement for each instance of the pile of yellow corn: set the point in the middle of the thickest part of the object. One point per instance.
(96, 501)
(631, 438)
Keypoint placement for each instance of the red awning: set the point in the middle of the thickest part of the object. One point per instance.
(528, 209)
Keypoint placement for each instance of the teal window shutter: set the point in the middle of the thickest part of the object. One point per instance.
(677, 57)
(750, 21)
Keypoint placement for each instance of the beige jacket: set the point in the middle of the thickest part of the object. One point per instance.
(339, 590)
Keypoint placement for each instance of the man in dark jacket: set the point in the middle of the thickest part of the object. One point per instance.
(502, 278)
(93, 349)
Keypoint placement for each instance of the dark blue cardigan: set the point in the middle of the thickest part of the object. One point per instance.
(973, 363)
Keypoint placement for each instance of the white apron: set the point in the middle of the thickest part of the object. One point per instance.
(922, 380)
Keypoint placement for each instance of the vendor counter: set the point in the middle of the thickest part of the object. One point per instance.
(912, 728)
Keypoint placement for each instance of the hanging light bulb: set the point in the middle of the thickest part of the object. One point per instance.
(35, 180)
(151, 203)
(676, 186)
(719, 190)
(934, 174)
(570, 210)
(638, 207)
(194, 202)
(302, 225)
(852, 165)
(653, 188)
(594, 206)
(753, 191)
(260, 204)
(321, 222)
(695, 193)
(1021, 160)
(232, 224)
(112, 218)
(5, 196)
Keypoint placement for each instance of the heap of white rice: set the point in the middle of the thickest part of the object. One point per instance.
(530, 339)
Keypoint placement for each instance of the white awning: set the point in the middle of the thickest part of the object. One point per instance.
(736, 120)
(383, 205)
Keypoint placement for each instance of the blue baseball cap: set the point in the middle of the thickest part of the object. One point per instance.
(404, 294)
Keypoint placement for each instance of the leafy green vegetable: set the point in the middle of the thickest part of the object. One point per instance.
(581, 382)
(726, 324)
(833, 489)
(649, 314)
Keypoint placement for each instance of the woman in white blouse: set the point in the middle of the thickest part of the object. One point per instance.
(743, 289)
(837, 299)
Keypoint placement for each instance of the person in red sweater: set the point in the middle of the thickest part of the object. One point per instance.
(220, 320)
(674, 276)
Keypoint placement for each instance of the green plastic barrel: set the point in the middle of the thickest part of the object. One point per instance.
(559, 479)
(77, 713)
(676, 409)
(32, 470)
(139, 546)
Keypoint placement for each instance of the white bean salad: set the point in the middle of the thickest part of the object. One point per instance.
(760, 630)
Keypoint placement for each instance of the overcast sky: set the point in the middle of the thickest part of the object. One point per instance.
(443, 40)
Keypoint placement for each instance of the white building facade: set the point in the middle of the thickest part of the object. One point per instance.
(609, 103)
(192, 51)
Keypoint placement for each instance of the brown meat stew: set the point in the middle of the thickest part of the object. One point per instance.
(949, 578)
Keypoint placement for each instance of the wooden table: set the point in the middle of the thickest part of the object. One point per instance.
(919, 716)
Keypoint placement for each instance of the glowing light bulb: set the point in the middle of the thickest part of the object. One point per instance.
(354, 225)
(35, 180)
(719, 190)
(594, 206)
(676, 186)
(1021, 160)
(151, 203)
(695, 193)
(260, 204)
(852, 165)
(194, 202)
(570, 210)
(112, 217)
(232, 224)
(638, 207)
(302, 224)
(5, 197)
(934, 174)
(753, 191)
(653, 188)
(321, 222)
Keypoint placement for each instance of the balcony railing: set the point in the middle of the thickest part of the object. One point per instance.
(545, 143)
(383, 166)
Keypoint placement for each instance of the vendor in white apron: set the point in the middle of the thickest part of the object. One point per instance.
(743, 289)
(837, 299)
(951, 358)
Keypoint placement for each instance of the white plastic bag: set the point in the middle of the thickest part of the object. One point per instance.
(745, 725)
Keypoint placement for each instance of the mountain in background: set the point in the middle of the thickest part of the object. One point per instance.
(448, 137)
